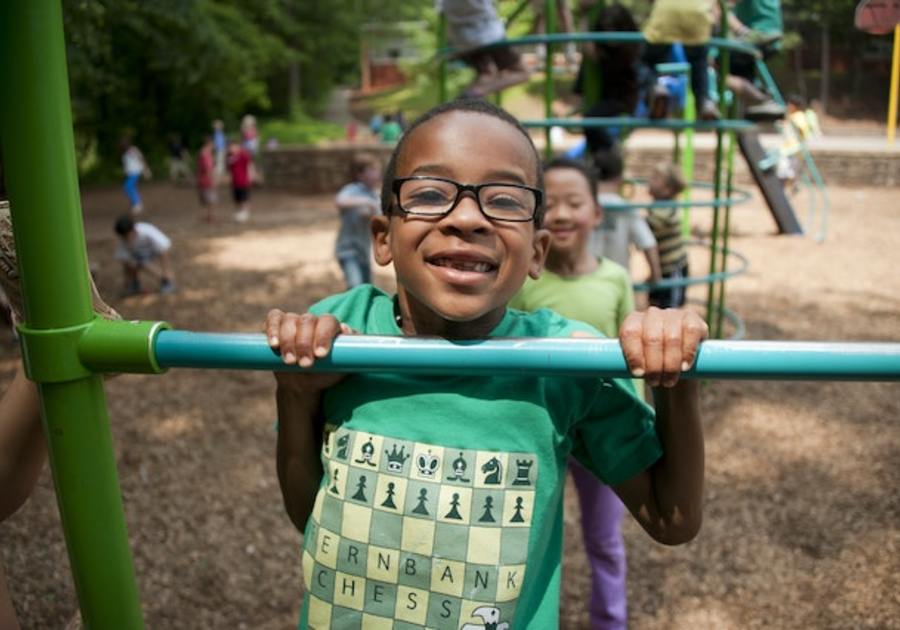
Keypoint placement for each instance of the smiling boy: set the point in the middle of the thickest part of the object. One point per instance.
(437, 500)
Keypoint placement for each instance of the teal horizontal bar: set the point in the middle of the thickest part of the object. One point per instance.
(766, 360)
(642, 123)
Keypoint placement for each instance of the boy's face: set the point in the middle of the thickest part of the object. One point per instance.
(572, 212)
(656, 186)
(371, 176)
(462, 267)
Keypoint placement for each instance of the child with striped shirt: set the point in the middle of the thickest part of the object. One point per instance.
(665, 184)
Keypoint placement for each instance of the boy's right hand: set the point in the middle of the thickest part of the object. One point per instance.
(301, 339)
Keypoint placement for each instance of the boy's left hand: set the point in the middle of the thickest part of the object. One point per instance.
(660, 344)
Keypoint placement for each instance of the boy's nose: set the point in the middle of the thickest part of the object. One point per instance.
(467, 215)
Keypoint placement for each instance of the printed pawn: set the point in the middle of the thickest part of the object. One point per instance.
(389, 501)
(360, 495)
(420, 508)
(334, 480)
(517, 517)
(488, 517)
(454, 512)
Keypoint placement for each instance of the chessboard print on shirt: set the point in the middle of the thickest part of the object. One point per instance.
(409, 535)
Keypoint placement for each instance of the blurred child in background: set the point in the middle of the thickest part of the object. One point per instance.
(357, 203)
(206, 179)
(239, 161)
(665, 184)
(143, 248)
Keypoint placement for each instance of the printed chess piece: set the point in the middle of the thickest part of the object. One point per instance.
(493, 470)
(367, 452)
(334, 480)
(396, 459)
(360, 495)
(488, 517)
(420, 508)
(459, 470)
(389, 501)
(343, 442)
(454, 512)
(517, 517)
(523, 468)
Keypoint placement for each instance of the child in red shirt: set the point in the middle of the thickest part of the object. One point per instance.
(206, 178)
(239, 165)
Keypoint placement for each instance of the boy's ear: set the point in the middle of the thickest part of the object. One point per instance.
(540, 247)
(381, 239)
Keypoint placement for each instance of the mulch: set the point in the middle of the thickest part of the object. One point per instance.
(802, 523)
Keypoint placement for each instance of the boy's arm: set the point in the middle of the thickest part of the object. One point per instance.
(667, 498)
(642, 237)
(300, 339)
(345, 201)
(22, 446)
(297, 459)
(652, 256)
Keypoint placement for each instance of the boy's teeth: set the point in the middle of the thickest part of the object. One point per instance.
(464, 265)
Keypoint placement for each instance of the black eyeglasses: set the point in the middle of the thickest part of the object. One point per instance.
(436, 196)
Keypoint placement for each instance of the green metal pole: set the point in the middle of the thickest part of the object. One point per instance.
(550, 22)
(442, 64)
(39, 157)
(726, 228)
(687, 161)
(724, 67)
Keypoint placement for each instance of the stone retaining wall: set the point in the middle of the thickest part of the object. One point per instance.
(311, 170)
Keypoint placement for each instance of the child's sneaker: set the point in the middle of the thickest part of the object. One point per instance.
(242, 216)
(9, 272)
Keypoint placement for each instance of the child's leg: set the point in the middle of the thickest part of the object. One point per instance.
(601, 518)
(132, 283)
(131, 191)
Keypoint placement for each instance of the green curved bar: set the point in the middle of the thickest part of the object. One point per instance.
(643, 123)
(718, 276)
(608, 37)
(740, 196)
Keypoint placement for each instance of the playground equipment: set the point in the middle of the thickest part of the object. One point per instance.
(66, 347)
(738, 132)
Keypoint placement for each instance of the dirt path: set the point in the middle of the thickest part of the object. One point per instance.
(801, 526)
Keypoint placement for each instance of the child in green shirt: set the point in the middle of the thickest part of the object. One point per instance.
(437, 500)
(578, 286)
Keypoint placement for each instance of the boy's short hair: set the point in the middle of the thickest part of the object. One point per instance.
(609, 164)
(474, 105)
(671, 176)
(362, 162)
(797, 101)
(576, 165)
(123, 225)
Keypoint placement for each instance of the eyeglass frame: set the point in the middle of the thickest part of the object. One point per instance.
(475, 189)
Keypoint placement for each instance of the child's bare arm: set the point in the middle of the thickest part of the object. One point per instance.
(300, 339)
(652, 256)
(667, 498)
(22, 446)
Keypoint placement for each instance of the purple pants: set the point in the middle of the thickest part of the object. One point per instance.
(601, 518)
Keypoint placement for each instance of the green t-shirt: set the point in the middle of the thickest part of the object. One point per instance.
(441, 503)
(760, 15)
(602, 298)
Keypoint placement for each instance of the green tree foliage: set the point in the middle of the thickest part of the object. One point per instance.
(149, 69)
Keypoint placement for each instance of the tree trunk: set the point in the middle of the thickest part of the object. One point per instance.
(294, 87)
(825, 86)
(798, 71)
